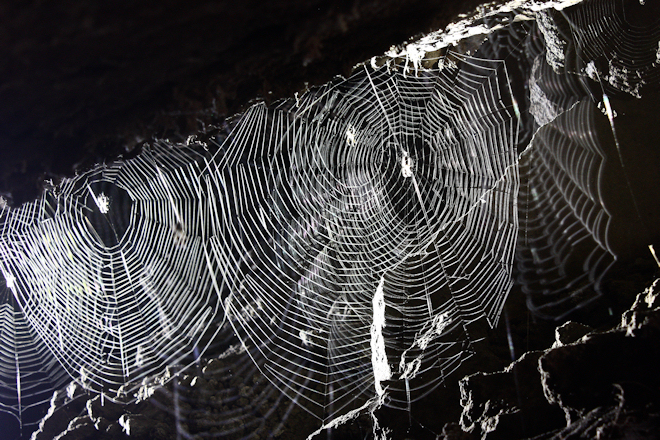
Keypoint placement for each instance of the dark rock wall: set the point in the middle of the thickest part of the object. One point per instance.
(83, 82)
(604, 382)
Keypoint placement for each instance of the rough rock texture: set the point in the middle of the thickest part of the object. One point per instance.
(519, 408)
(514, 409)
(225, 397)
(604, 382)
(590, 384)
(65, 406)
(570, 332)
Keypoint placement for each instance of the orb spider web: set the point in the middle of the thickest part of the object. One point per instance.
(360, 228)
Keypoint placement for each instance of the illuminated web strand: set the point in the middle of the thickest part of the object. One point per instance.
(110, 268)
(576, 226)
(28, 372)
(314, 209)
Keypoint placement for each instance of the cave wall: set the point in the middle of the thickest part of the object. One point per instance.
(84, 82)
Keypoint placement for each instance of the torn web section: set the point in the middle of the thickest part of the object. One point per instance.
(110, 271)
(356, 190)
(28, 371)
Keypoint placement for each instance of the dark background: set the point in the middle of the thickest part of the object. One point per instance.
(84, 82)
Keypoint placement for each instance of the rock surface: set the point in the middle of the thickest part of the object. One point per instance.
(605, 383)
(589, 384)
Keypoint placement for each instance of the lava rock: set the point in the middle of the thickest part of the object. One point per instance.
(508, 404)
(570, 332)
(80, 428)
(65, 406)
(592, 373)
(135, 425)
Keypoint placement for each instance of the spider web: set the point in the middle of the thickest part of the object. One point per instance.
(584, 177)
(110, 272)
(363, 226)
(236, 401)
(28, 372)
(352, 237)
(565, 253)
